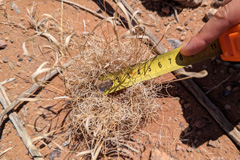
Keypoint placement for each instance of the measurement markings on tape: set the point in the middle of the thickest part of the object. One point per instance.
(154, 67)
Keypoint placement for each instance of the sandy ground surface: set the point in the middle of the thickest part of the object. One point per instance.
(185, 130)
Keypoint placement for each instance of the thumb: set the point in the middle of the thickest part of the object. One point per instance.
(225, 18)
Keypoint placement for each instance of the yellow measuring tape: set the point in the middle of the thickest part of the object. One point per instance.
(154, 67)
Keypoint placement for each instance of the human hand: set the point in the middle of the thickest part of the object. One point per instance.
(225, 18)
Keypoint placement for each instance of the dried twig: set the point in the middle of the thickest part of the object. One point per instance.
(19, 127)
(6, 150)
(83, 8)
(219, 84)
(34, 88)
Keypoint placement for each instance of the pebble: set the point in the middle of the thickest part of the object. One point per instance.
(14, 7)
(99, 10)
(20, 59)
(229, 88)
(235, 89)
(157, 30)
(216, 3)
(200, 123)
(187, 28)
(186, 23)
(191, 3)
(212, 144)
(187, 105)
(230, 70)
(29, 59)
(226, 63)
(178, 147)
(204, 66)
(175, 43)
(11, 41)
(182, 38)
(166, 10)
(182, 101)
(179, 28)
(5, 59)
(215, 71)
(210, 13)
(18, 64)
(226, 93)
(55, 154)
(204, 3)
(227, 107)
(3, 44)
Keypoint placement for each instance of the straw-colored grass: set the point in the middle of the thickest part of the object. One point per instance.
(111, 119)
(104, 125)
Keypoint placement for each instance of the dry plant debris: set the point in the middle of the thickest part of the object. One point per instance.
(107, 123)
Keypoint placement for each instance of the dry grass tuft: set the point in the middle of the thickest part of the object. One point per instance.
(108, 121)
(102, 125)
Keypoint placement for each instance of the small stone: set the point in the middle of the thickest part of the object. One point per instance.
(182, 38)
(166, 10)
(215, 71)
(204, 67)
(235, 89)
(5, 60)
(3, 44)
(226, 63)
(204, 3)
(11, 41)
(157, 30)
(186, 22)
(200, 123)
(179, 28)
(29, 59)
(99, 10)
(199, 133)
(210, 13)
(27, 152)
(222, 71)
(228, 88)
(189, 149)
(191, 3)
(174, 43)
(26, 81)
(195, 141)
(226, 93)
(212, 144)
(216, 3)
(230, 70)
(20, 59)
(178, 147)
(181, 125)
(6, 38)
(14, 7)
(227, 107)
(187, 105)
(18, 64)
(187, 28)
(182, 101)
(96, 19)
(55, 154)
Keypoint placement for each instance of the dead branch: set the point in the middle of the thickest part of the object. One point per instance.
(34, 88)
(19, 127)
(83, 8)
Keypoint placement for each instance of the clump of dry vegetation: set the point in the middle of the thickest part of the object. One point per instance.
(104, 125)
(108, 122)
